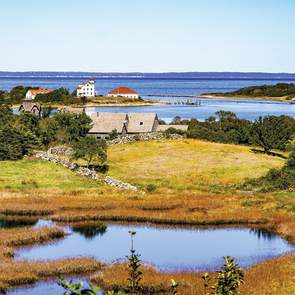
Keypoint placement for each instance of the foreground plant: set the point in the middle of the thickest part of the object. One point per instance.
(229, 279)
(135, 274)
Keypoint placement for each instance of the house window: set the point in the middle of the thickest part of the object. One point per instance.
(141, 123)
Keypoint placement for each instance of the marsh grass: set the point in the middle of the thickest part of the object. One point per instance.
(17, 237)
(260, 279)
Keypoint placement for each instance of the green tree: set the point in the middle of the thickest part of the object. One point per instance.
(6, 115)
(15, 143)
(91, 150)
(2, 97)
(114, 134)
(271, 132)
(28, 121)
(18, 93)
(73, 126)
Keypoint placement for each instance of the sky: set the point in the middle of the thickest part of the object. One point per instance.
(147, 35)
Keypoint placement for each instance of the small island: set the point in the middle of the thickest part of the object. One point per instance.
(280, 92)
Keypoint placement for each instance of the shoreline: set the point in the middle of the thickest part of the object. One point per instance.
(241, 97)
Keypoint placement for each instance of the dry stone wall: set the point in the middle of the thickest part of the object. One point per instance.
(123, 139)
(85, 172)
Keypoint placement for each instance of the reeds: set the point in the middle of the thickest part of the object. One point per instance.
(18, 237)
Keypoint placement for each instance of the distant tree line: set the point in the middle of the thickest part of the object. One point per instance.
(62, 95)
(278, 90)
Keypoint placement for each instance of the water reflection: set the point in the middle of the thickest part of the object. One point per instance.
(11, 223)
(262, 234)
(90, 231)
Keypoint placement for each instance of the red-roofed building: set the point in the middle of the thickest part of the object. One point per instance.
(31, 94)
(124, 92)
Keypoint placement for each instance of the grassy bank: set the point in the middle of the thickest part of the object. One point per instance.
(244, 97)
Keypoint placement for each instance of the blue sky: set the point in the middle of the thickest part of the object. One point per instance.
(147, 35)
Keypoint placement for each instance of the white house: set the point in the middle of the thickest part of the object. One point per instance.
(86, 89)
(31, 94)
(123, 92)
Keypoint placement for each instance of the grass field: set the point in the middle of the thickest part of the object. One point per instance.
(34, 174)
(187, 175)
(187, 164)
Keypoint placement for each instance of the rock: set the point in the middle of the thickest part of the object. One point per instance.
(128, 138)
(119, 184)
(60, 150)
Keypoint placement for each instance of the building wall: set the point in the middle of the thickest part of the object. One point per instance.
(30, 96)
(134, 96)
(87, 90)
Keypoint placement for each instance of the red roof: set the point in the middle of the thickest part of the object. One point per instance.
(123, 90)
(39, 91)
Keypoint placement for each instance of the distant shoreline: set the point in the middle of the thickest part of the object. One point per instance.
(242, 97)
(150, 75)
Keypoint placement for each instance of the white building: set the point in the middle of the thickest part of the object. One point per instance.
(86, 89)
(31, 94)
(124, 92)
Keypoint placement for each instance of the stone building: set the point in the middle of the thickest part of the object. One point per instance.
(127, 123)
(30, 107)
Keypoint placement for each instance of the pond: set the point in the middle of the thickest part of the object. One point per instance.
(168, 249)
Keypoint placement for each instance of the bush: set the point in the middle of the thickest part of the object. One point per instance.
(151, 188)
(276, 179)
(15, 143)
(172, 130)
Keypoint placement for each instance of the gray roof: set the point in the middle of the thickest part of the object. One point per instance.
(104, 122)
(141, 122)
(163, 128)
(29, 106)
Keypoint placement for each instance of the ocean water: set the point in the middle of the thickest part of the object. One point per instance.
(145, 86)
(172, 90)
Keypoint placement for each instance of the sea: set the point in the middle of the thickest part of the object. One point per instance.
(172, 87)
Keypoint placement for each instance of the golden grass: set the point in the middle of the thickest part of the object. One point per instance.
(187, 164)
(14, 274)
(273, 277)
(17, 237)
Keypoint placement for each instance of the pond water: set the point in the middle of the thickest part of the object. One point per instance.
(168, 249)
(244, 109)
(44, 288)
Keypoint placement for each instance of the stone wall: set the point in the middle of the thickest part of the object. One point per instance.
(54, 153)
(143, 137)
(82, 171)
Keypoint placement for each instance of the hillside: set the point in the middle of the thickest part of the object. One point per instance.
(280, 91)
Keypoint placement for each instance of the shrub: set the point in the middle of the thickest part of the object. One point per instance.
(151, 188)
